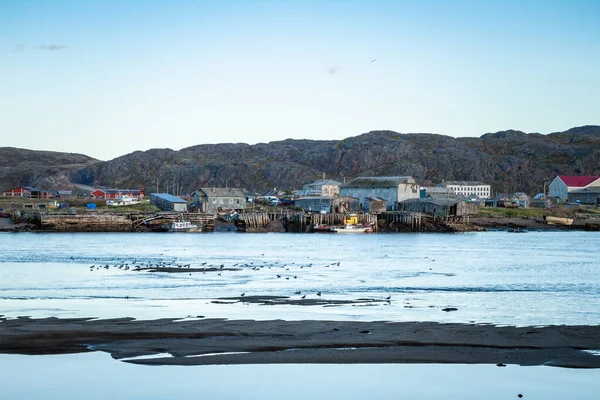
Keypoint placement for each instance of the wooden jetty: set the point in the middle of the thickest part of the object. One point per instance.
(292, 221)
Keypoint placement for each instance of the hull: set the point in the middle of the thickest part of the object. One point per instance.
(558, 220)
(352, 229)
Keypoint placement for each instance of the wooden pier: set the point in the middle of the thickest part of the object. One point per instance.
(295, 221)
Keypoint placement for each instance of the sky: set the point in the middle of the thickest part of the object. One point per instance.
(108, 77)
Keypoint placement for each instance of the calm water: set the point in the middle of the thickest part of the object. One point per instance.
(534, 278)
(94, 376)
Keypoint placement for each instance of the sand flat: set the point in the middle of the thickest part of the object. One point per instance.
(221, 341)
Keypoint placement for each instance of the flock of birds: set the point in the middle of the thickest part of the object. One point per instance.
(172, 265)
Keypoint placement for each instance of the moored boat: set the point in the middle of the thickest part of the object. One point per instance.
(348, 228)
(323, 228)
(183, 226)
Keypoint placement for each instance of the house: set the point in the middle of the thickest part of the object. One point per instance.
(392, 189)
(104, 194)
(540, 200)
(440, 207)
(319, 204)
(468, 188)
(588, 195)
(168, 202)
(522, 198)
(435, 192)
(322, 187)
(24, 191)
(563, 184)
(345, 204)
(377, 205)
(211, 200)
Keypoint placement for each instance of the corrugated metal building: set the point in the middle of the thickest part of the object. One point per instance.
(319, 204)
(168, 202)
(589, 195)
(210, 199)
(440, 207)
(392, 189)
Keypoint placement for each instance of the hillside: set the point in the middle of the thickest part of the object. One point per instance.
(509, 160)
(43, 169)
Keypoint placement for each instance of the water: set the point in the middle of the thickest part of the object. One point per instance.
(536, 278)
(94, 376)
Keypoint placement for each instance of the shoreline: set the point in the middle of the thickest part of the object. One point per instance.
(221, 341)
(476, 224)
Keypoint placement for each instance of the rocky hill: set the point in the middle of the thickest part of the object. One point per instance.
(509, 160)
(42, 169)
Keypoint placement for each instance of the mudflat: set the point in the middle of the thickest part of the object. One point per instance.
(199, 341)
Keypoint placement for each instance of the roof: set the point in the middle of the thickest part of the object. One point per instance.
(439, 202)
(325, 182)
(118, 191)
(593, 190)
(577, 181)
(319, 198)
(376, 199)
(466, 183)
(168, 197)
(378, 181)
(222, 192)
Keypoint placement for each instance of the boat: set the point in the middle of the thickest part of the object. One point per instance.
(558, 220)
(351, 225)
(320, 228)
(351, 228)
(183, 226)
(123, 200)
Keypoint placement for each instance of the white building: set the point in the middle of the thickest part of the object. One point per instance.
(322, 187)
(392, 189)
(469, 188)
(562, 185)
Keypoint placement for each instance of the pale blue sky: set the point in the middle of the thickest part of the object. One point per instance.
(108, 77)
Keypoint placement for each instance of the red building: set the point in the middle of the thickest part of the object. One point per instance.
(104, 194)
(25, 191)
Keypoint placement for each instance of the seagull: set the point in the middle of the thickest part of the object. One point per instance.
(389, 297)
(242, 295)
(304, 296)
(318, 293)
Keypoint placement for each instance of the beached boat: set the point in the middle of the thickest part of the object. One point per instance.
(122, 201)
(558, 220)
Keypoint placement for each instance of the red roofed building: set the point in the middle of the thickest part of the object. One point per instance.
(563, 184)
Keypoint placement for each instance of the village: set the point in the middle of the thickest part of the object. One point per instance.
(359, 205)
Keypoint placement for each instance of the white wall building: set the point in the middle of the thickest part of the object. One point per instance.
(468, 188)
(562, 185)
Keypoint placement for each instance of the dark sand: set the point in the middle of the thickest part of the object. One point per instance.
(220, 341)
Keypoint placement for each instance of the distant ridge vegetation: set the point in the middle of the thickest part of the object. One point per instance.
(509, 160)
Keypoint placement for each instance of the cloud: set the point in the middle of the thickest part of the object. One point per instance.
(335, 69)
(52, 47)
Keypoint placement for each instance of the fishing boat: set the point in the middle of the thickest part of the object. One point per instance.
(183, 226)
(350, 228)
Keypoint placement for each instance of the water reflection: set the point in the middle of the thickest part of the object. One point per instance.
(95, 376)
